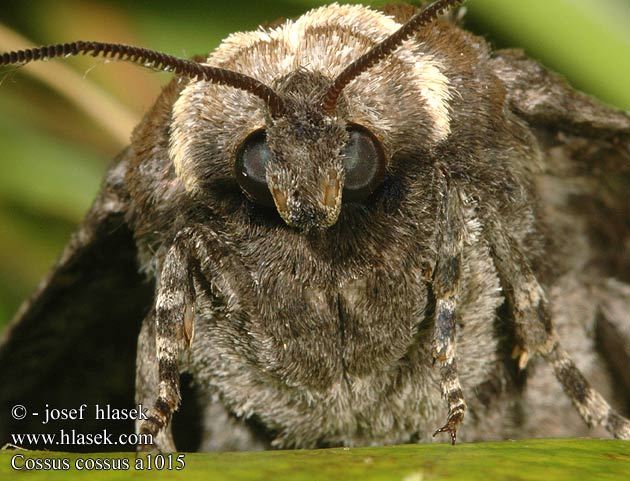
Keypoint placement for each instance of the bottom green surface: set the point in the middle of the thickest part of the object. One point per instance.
(539, 460)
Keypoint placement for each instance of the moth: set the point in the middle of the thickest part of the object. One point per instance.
(358, 227)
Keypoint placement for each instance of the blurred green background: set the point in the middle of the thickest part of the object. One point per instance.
(53, 153)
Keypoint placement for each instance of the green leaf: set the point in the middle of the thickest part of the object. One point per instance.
(535, 460)
(588, 41)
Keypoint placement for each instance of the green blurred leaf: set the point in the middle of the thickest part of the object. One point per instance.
(588, 41)
(535, 460)
(46, 186)
(47, 174)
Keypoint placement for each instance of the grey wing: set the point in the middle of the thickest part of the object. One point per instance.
(584, 191)
(586, 156)
(74, 341)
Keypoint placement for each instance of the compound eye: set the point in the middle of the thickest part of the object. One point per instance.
(364, 163)
(252, 158)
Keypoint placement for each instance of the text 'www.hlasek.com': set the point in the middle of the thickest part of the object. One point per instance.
(74, 439)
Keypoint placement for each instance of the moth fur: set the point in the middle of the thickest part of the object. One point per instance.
(451, 293)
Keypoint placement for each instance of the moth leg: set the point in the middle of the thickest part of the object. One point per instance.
(535, 334)
(173, 329)
(147, 381)
(445, 289)
(590, 404)
(527, 298)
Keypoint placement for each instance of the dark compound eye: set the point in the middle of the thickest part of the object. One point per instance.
(364, 163)
(252, 158)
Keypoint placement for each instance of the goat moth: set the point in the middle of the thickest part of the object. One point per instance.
(357, 227)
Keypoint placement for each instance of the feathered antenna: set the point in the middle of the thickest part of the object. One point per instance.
(150, 59)
(382, 50)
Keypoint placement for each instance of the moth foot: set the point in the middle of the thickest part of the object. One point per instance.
(522, 354)
(455, 418)
(147, 434)
(12, 447)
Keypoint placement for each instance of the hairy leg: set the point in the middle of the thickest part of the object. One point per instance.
(535, 333)
(174, 308)
(446, 282)
(147, 381)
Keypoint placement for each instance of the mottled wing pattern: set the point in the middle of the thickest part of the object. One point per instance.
(74, 341)
(584, 191)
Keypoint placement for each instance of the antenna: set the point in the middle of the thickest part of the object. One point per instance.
(382, 50)
(150, 59)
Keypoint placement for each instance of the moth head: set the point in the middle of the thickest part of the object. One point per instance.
(305, 163)
(312, 155)
(295, 149)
